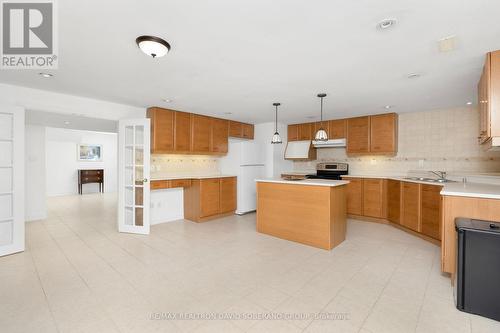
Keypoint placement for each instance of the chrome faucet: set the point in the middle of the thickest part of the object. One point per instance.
(440, 174)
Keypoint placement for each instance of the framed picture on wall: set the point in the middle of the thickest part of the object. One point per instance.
(89, 153)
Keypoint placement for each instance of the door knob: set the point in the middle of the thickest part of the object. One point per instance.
(145, 180)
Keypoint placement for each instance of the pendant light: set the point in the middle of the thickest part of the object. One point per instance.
(276, 137)
(321, 134)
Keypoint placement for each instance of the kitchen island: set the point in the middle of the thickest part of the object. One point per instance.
(310, 211)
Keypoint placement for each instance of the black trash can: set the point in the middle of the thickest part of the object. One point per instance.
(477, 282)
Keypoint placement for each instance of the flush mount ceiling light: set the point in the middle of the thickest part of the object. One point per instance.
(276, 136)
(153, 46)
(46, 75)
(166, 100)
(386, 24)
(447, 44)
(321, 134)
(469, 103)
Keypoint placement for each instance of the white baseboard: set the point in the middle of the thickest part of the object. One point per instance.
(171, 219)
(35, 216)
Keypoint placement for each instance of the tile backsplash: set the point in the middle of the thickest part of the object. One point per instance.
(169, 165)
(429, 140)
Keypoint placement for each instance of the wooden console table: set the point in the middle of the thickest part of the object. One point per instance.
(91, 176)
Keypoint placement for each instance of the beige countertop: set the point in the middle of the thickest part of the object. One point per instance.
(310, 182)
(172, 177)
(459, 189)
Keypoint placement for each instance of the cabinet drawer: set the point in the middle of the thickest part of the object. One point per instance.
(180, 183)
(159, 184)
(91, 179)
(91, 172)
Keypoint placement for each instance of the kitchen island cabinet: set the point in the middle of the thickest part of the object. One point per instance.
(311, 212)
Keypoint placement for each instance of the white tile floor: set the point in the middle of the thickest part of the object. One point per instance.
(80, 275)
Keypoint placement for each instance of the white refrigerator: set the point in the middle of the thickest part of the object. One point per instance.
(246, 159)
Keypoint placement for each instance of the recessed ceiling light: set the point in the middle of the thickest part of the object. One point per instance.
(166, 100)
(46, 75)
(413, 75)
(153, 46)
(386, 23)
(228, 113)
(66, 122)
(311, 117)
(387, 107)
(469, 103)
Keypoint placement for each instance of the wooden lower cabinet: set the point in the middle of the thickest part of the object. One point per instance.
(227, 195)
(430, 210)
(415, 206)
(355, 196)
(394, 200)
(453, 207)
(410, 206)
(374, 198)
(209, 198)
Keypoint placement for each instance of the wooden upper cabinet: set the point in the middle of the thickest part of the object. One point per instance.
(209, 197)
(240, 130)
(493, 93)
(383, 133)
(393, 200)
(201, 133)
(247, 131)
(162, 129)
(431, 210)
(235, 129)
(227, 195)
(355, 196)
(220, 128)
(358, 135)
(374, 192)
(182, 131)
(337, 129)
(489, 98)
(410, 205)
(305, 131)
(293, 132)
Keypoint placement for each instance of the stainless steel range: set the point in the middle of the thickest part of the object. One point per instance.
(330, 170)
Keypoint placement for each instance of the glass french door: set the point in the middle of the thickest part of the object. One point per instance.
(11, 180)
(133, 167)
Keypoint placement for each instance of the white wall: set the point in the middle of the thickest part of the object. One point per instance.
(275, 162)
(35, 187)
(62, 163)
(42, 100)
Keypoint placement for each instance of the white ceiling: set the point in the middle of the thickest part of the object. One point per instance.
(241, 56)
